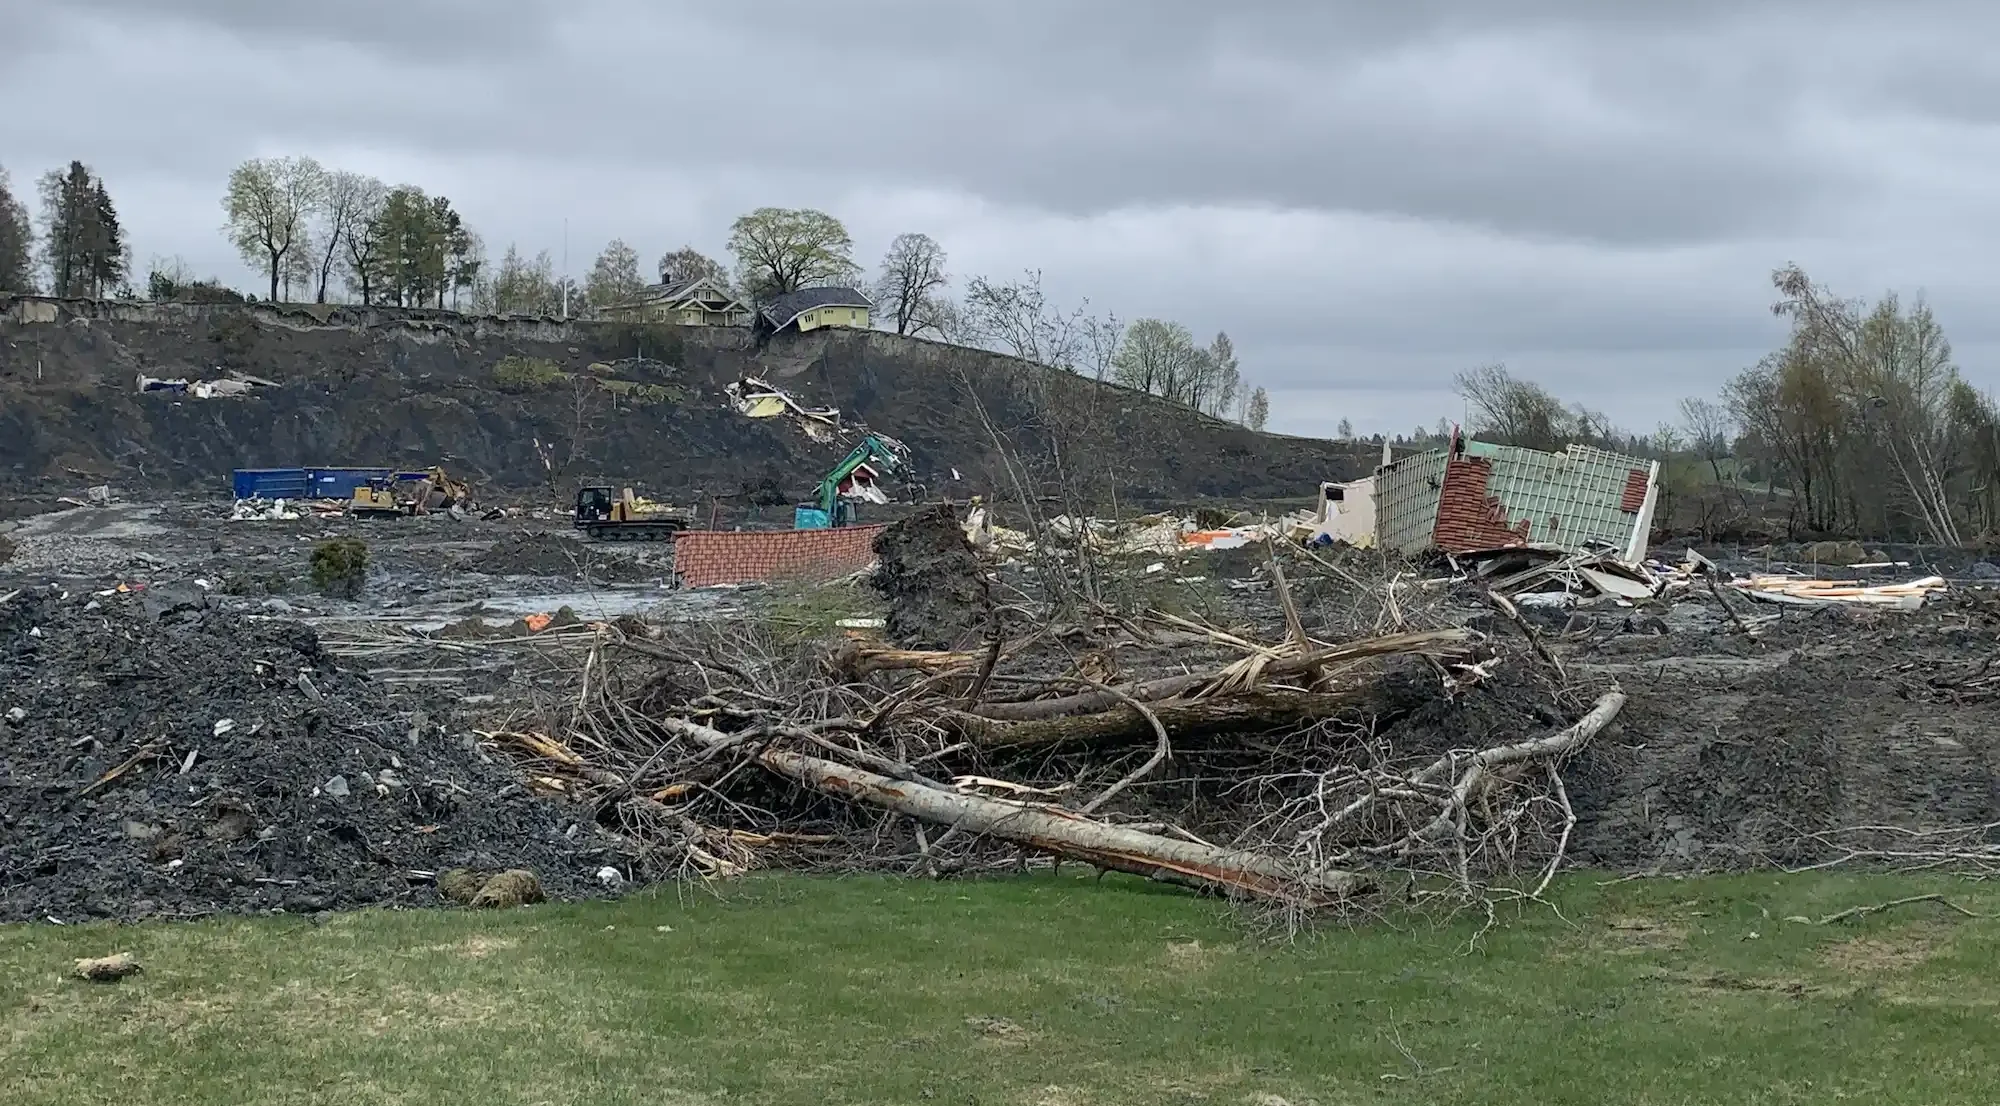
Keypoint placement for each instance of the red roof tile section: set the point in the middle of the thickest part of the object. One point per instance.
(703, 558)
(1467, 517)
(1634, 497)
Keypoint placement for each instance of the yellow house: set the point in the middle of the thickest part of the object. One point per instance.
(700, 301)
(814, 308)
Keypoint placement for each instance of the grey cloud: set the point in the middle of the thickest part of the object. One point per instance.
(410, 30)
(1083, 109)
(1750, 133)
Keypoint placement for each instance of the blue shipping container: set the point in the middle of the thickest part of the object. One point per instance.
(340, 483)
(269, 483)
(308, 483)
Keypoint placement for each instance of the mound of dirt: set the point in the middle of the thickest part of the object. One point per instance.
(1734, 753)
(1845, 721)
(160, 757)
(933, 581)
(541, 553)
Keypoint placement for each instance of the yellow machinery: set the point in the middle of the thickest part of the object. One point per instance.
(376, 499)
(407, 493)
(625, 517)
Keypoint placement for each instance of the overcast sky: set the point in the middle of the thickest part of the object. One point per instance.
(1368, 195)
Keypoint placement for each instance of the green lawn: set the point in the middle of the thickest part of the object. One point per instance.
(1054, 990)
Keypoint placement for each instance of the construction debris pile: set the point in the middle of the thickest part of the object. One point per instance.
(231, 385)
(272, 495)
(756, 399)
(161, 758)
(1291, 766)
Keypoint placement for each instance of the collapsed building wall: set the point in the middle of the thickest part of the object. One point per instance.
(1476, 495)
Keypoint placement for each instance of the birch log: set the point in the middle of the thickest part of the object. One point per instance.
(1051, 830)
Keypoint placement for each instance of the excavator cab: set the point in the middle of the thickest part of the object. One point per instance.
(625, 517)
(594, 505)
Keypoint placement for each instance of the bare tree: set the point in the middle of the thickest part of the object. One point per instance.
(688, 263)
(1160, 358)
(347, 203)
(299, 268)
(522, 286)
(1856, 395)
(1258, 410)
(1517, 412)
(1226, 377)
(912, 283)
(1708, 429)
(614, 277)
(1016, 317)
(1102, 340)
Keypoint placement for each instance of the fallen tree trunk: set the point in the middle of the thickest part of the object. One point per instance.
(1267, 708)
(1045, 829)
(1090, 702)
(856, 660)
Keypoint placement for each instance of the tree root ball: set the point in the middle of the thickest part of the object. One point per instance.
(515, 887)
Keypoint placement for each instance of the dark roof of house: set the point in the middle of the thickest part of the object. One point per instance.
(667, 292)
(791, 305)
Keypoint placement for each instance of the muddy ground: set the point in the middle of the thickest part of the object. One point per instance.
(162, 758)
(1740, 755)
(1734, 750)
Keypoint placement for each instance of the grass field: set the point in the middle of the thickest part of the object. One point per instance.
(1053, 990)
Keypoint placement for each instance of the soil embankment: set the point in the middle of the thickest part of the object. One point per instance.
(639, 405)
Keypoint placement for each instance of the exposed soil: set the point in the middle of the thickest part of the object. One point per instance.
(541, 553)
(164, 758)
(935, 585)
(643, 406)
(1836, 724)
(1733, 751)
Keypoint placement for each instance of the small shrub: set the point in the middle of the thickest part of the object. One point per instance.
(645, 395)
(526, 374)
(340, 567)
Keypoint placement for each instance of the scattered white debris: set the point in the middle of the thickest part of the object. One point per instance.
(1805, 592)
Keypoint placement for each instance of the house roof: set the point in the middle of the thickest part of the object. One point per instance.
(679, 290)
(791, 305)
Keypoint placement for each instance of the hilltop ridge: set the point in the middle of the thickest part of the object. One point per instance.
(643, 404)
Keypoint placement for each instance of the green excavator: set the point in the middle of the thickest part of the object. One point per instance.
(855, 477)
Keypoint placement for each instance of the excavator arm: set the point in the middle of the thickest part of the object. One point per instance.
(884, 454)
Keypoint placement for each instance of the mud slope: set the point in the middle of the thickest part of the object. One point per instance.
(379, 386)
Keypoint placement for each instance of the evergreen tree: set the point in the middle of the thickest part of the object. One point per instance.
(83, 246)
(17, 238)
(110, 258)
